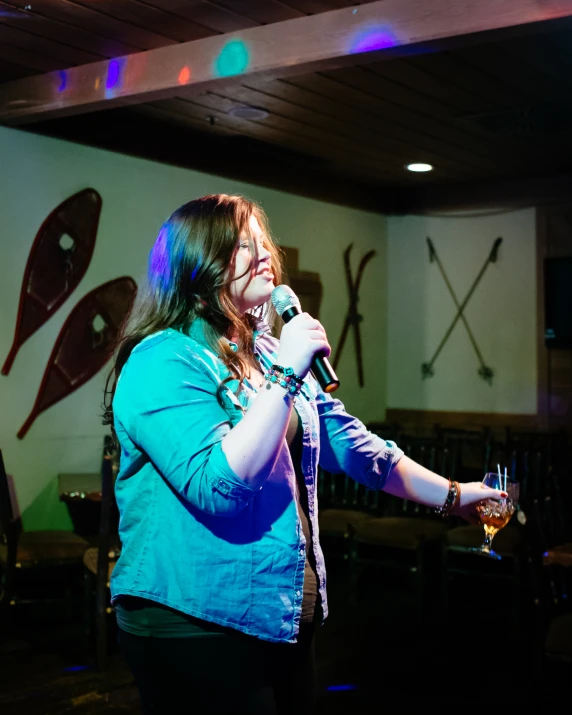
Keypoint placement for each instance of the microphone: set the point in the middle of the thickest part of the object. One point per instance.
(287, 305)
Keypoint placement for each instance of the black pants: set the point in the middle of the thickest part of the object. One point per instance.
(234, 674)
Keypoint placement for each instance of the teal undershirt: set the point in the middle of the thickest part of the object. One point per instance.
(144, 617)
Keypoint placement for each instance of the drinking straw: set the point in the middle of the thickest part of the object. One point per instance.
(500, 476)
(505, 479)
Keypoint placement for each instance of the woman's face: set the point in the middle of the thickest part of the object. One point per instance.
(251, 287)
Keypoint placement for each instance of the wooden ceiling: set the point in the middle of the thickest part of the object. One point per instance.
(479, 89)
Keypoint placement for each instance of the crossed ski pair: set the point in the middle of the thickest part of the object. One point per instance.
(484, 371)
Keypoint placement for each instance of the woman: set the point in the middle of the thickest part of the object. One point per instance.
(220, 585)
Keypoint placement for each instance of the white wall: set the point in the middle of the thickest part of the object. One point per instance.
(37, 173)
(501, 313)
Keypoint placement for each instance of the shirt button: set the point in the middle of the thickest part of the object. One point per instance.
(297, 593)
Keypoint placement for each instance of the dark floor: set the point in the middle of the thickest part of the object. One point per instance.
(371, 652)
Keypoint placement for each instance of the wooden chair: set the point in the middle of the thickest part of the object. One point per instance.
(344, 504)
(404, 535)
(52, 554)
(537, 526)
(473, 448)
(100, 560)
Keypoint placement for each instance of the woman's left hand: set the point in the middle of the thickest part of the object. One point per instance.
(472, 494)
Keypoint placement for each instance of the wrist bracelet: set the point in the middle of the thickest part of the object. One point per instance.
(287, 381)
(288, 372)
(453, 496)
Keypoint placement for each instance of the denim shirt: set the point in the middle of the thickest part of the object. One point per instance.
(194, 536)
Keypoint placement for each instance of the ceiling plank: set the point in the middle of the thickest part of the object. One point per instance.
(46, 46)
(95, 22)
(61, 31)
(262, 11)
(370, 137)
(289, 135)
(127, 130)
(448, 136)
(330, 39)
(147, 17)
(214, 17)
(358, 102)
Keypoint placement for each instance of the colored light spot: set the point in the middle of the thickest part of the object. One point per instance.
(63, 75)
(159, 266)
(333, 688)
(232, 60)
(373, 38)
(75, 668)
(184, 75)
(114, 72)
(97, 82)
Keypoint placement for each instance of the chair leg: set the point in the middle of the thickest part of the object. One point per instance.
(353, 571)
(444, 585)
(101, 600)
(88, 605)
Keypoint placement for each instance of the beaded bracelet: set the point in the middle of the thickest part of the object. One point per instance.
(288, 372)
(286, 378)
(453, 496)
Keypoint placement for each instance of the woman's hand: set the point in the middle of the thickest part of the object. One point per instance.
(301, 338)
(472, 494)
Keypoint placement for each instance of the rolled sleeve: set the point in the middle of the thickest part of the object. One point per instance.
(346, 445)
(167, 403)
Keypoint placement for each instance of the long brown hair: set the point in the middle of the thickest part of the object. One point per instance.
(191, 268)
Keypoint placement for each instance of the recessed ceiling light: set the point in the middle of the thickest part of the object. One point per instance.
(245, 112)
(419, 167)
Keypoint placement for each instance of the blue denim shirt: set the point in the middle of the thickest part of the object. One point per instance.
(194, 536)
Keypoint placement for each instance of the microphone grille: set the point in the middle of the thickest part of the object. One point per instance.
(283, 297)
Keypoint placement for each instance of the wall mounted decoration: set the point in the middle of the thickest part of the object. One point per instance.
(306, 284)
(58, 260)
(484, 371)
(353, 317)
(84, 343)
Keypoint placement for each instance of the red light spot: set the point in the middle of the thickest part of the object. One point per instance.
(184, 75)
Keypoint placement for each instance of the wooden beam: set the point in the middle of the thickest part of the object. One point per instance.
(331, 39)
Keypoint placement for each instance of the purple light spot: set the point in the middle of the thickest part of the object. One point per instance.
(75, 668)
(374, 38)
(159, 272)
(333, 688)
(114, 72)
(63, 75)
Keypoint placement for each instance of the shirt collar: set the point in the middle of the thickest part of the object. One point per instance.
(197, 331)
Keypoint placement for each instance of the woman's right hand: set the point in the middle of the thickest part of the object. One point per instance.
(301, 338)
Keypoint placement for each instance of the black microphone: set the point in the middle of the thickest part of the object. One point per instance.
(287, 305)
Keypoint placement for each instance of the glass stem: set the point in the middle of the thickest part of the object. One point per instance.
(489, 536)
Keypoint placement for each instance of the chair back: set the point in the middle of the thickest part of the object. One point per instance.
(10, 528)
(10, 522)
(6, 510)
(109, 519)
(339, 491)
(471, 448)
(431, 453)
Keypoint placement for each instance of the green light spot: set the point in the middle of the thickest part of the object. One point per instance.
(232, 60)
